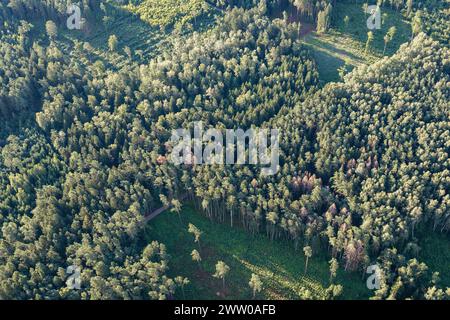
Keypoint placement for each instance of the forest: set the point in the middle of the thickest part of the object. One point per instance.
(86, 119)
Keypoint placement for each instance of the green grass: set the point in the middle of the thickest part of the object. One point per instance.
(357, 27)
(132, 32)
(345, 44)
(170, 12)
(435, 252)
(331, 55)
(280, 267)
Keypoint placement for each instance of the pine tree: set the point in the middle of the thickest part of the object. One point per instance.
(182, 282)
(113, 43)
(308, 254)
(369, 41)
(389, 37)
(52, 29)
(255, 284)
(196, 257)
(221, 271)
(334, 265)
(416, 24)
(196, 232)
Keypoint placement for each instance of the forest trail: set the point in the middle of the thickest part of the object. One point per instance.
(214, 6)
(152, 215)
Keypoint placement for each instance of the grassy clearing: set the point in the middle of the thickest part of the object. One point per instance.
(280, 267)
(169, 12)
(357, 27)
(344, 44)
(130, 31)
(436, 253)
(332, 54)
(145, 41)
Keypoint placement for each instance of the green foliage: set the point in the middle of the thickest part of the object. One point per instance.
(403, 278)
(51, 28)
(113, 42)
(356, 28)
(170, 12)
(433, 250)
(435, 22)
(255, 284)
(85, 138)
(278, 265)
(222, 270)
(324, 19)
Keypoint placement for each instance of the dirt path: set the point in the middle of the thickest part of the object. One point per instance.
(215, 7)
(306, 28)
(152, 215)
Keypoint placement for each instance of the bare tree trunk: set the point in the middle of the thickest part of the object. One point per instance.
(232, 218)
(306, 265)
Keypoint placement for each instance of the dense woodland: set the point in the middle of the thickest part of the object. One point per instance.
(84, 146)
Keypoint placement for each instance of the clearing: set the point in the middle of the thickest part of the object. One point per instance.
(280, 267)
(343, 46)
(435, 252)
